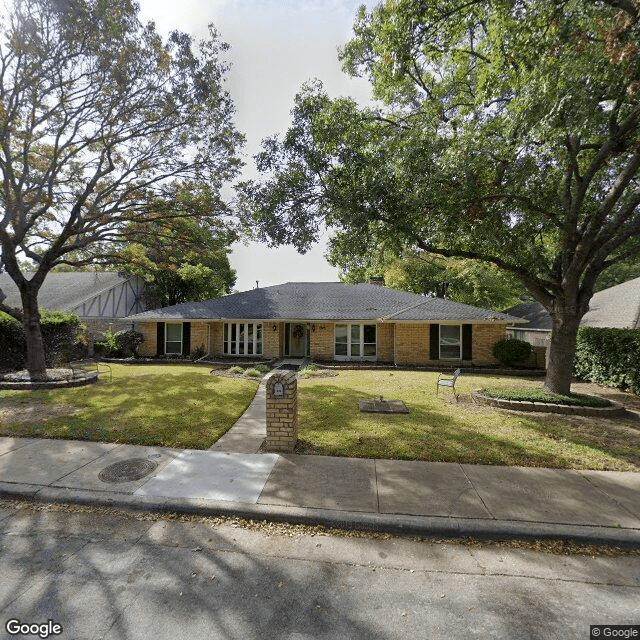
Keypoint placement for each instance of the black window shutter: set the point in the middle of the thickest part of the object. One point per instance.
(186, 338)
(467, 341)
(434, 342)
(160, 340)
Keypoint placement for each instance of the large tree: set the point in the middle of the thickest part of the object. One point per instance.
(183, 261)
(467, 281)
(504, 131)
(103, 128)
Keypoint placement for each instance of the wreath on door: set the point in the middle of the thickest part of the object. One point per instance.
(298, 331)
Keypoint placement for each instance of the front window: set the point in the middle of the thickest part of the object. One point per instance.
(450, 342)
(242, 338)
(173, 337)
(355, 341)
(342, 335)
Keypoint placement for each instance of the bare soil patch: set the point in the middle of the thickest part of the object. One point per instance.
(26, 410)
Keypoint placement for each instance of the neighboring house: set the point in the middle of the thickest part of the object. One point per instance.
(538, 328)
(616, 308)
(100, 298)
(327, 321)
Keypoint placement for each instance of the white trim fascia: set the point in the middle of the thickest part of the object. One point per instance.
(383, 320)
(454, 321)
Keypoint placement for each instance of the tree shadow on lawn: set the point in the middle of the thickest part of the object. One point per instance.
(437, 430)
(185, 409)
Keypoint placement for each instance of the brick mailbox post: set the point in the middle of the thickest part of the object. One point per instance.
(282, 412)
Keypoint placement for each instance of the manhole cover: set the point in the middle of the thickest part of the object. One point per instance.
(127, 470)
(382, 406)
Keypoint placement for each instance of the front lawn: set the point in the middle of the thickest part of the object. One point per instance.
(166, 405)
(439, 429)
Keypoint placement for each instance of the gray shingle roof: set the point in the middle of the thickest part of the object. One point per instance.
(325, 301)
(534, 313)
(64, 291)
(616, 307)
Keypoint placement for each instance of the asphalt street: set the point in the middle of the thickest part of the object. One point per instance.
(106, 575)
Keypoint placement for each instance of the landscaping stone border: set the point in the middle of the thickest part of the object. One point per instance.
(615, 410)
(469, 369)
(79, 380)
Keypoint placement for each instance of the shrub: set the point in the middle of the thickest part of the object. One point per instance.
(198, 352)
(108, 345)
(512, 351)
(610, 357)
(238, 370)
(262, 368)
(308, 370)
(253, 373)
(13, 347)
(59, 331)
(128, 342)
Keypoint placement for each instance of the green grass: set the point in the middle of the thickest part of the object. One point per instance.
(166, 405)
(538, 394)
(439, 429)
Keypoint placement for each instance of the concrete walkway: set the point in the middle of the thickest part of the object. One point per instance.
(421, 498)
(250, 430)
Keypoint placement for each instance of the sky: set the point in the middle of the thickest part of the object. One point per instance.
(276, 46)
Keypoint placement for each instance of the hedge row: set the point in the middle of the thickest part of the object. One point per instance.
(610, 357)
(60, 332)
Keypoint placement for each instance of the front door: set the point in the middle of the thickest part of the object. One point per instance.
(297, 340)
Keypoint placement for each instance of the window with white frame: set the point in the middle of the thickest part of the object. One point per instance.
(173, 337)
(355, 341)
(450, 342)
(242, 338)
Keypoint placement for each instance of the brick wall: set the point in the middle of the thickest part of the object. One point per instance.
(97, 326)
(322, 341)
(272, 341)
(199, 335)
(216, 337)
(484, 337)
(282, 413)
(537, 359)
(412, 343)
(384, 339)
(149, 348)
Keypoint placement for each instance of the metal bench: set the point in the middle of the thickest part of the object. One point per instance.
(89, 363)
(449, 382)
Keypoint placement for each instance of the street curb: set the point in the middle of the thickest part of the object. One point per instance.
(424, 526)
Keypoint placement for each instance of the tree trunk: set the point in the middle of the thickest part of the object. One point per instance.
(36, 364)
(562, 351)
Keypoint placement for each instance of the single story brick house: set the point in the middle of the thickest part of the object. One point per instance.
(326, 321)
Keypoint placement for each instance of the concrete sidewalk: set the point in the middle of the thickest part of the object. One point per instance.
(422, 498)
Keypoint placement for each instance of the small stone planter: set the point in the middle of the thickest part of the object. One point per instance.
(615, 410)
(78, 380)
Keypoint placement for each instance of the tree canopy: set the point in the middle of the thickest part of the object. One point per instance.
(183, 261)
(103, 128)
(467, 281)
(504, 131)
